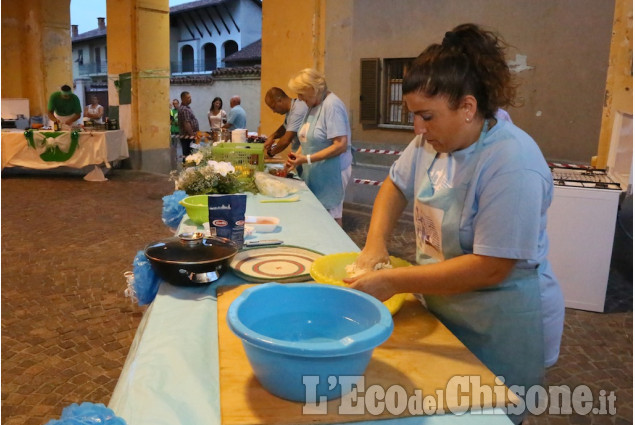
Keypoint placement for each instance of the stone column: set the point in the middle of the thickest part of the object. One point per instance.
(36, 45)
(138, 43)
(288, 48)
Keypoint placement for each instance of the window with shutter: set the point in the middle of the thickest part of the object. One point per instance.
(395, 110)
(369, 91)
(381, 100)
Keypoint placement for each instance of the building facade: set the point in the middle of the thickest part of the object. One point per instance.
(203, 33)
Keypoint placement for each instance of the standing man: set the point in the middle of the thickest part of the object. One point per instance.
(64, 107)
(294, 111)
(188, 124)
(94, 111)
(237, 117)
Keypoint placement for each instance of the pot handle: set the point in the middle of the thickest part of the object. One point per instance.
(203, 278)
(194, 238)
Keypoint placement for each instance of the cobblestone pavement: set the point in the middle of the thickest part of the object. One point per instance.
(66, 326)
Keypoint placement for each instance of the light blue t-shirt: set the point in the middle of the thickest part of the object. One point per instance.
(506, 204)
(505, 212)
(237, 117)
(333, 122)
(294, 119)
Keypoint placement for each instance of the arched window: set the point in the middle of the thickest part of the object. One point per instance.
(209, 53)
(187, 58)
(230, 47)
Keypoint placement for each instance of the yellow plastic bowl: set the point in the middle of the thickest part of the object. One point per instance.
(331, 269)
(196, 207)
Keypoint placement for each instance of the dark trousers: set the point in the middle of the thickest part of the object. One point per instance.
(185, 146)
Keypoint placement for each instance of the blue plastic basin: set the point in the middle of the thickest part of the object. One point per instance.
(303, 329)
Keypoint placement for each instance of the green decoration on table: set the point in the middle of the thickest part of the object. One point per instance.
(55, 150)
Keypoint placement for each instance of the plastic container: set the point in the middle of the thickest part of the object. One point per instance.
(262, 224)
(197, 208)
(241, 154)
(302, 329)
(37, 120)
(331, 269)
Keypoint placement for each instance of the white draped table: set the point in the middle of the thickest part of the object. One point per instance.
(94, 148)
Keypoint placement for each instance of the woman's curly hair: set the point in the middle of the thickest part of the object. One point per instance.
(469, 61)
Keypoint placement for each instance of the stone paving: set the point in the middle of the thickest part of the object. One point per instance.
(66, 326)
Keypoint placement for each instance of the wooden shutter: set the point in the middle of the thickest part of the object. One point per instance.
(125, 88)
(369, 91)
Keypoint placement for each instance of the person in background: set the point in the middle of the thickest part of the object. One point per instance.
(237, 117)
(94, 111)
(188, 124)
(216, 116)
(174, 117)
(64, 107)
(294, 111)
(325, 142)
(481, 189)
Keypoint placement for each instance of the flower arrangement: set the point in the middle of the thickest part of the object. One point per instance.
(201, 156)
(210, 177)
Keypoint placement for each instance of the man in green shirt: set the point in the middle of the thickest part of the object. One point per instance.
(174, 117)
(64, 107)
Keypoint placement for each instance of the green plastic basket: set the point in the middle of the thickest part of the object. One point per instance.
(241, 154)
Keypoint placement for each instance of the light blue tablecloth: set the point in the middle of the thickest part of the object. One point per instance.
(171, 375)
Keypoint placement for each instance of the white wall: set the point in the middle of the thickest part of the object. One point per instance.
(202, 95)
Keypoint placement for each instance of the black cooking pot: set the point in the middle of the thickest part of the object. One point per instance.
(191, 259)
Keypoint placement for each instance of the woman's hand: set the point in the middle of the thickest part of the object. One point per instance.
(294, 159)
(376, 283)
(372, 282)
(372, 255)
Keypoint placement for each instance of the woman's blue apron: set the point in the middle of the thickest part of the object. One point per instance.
(500, 324)
(324, 177)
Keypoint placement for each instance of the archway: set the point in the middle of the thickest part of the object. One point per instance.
(230, 48)
(187, 58)
(209, 53)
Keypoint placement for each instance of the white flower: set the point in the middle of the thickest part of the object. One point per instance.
(196, 157)
(222, 168)
(207, 171)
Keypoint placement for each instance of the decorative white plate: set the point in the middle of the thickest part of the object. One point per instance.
(284, 263)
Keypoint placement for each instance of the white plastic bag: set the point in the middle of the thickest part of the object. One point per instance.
(275, 187)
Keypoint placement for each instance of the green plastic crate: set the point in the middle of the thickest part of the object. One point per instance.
(242, 154)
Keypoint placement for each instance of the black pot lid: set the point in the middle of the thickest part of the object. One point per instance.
(191, 248)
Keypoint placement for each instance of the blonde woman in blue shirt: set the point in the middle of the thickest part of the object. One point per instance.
(325, 141)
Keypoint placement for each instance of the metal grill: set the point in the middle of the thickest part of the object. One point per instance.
(584, 177)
